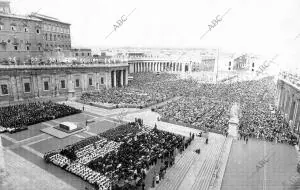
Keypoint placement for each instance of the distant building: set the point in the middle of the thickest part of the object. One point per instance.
(241, 63)
(81, 52)
(136, 54)
(82, 55)
(207, 63)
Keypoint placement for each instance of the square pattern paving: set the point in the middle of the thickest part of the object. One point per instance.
(59, 133)
(79, 118)
(54, 144)
(101, 126)
(33, 130)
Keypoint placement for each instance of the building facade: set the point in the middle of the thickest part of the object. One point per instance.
(36, 36)
(20, 38)
(21, 82)
(82, 52)
(288, 102)
(55, 32)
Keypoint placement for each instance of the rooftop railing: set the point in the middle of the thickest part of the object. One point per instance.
(91, 65)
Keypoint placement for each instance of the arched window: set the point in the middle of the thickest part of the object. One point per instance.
(50, 37)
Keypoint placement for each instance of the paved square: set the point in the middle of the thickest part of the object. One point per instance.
(101, 126)
(54, 143)
(6, 142)
(33, 130)
(80, 118)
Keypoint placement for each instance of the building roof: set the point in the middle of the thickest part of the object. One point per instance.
(45, 17)
(81, 49)
(19, 17)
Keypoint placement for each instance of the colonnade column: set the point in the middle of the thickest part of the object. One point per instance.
(121, 77)
(134, 68)
(297, 113)
(126, 77)
(115, 78)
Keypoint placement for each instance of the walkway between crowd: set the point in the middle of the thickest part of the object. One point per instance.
(234, 121)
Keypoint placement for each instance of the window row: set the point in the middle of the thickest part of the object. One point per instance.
(27, 86)
(27, 48)
(56, 29)
(24, 29)
(61, 46)
(82, 54)
(54, 37)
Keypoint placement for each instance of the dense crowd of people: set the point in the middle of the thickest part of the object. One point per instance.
(259, 118)
(205, 105)
(120, 154)
(200, 113)
(17, 117)
(145, 90)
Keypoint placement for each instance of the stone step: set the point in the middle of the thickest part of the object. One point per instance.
(208, 167)
(176, 174)
(217, 182)
(204, 173)
(214, 166)
(194, 170)
(200, 179)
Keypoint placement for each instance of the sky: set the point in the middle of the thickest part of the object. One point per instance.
(266, 27)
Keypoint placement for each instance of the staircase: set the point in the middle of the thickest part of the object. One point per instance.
(176, 174)
(197, 171)
(209, 166)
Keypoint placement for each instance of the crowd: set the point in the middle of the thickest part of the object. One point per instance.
(17, 117)
(259, 119)
(205, 105)
(200, 113)
(145, 90)
(121, 156)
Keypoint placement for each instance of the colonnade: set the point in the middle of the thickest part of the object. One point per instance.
(119, 78)
(149, 66)
(289, 102)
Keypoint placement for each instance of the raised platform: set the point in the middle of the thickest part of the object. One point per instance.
(61, 133)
